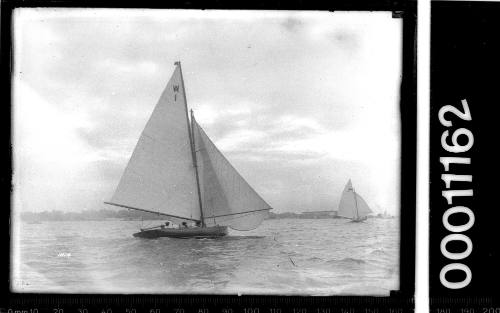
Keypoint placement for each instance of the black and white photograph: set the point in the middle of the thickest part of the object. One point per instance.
(206, 152)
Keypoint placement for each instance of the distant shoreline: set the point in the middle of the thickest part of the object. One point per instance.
(129, 215)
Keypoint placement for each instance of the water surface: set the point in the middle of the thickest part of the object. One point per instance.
(284, 256)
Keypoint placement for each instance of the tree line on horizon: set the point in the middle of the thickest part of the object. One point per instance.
(124, 214)
(88, 215)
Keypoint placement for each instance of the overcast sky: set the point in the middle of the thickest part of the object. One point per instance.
(299, 102)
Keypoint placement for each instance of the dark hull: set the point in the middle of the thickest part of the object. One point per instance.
(358, 220)
(192, 232)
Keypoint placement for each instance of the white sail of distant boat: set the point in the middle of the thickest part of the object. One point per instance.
(175, 170)
(352, 205)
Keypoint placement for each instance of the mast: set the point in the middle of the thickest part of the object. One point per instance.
(355, 203)
(231, 200)
(191, 141)
(196, 170)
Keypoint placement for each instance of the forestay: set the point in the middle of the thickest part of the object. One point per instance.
(227, 199)
(160, 174)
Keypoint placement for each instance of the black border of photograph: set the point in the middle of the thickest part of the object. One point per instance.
(465, 64)
(400, 300)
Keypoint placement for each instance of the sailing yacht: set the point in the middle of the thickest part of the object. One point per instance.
(352, 205)
(176, 171)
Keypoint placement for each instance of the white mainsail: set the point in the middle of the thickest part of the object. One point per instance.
(351, 204)
(227, 199)
(160, 175)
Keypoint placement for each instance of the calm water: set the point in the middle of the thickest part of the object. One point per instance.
(287, 256)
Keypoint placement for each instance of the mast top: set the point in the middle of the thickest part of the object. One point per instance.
(177, 63)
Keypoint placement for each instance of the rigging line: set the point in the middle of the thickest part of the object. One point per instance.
(240, 213)
(191, 140)
(154, 212)
(223, 158)
(232, 217)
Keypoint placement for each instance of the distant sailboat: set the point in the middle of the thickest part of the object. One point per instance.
(352, 206)
(177, 171)
(387, 216)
